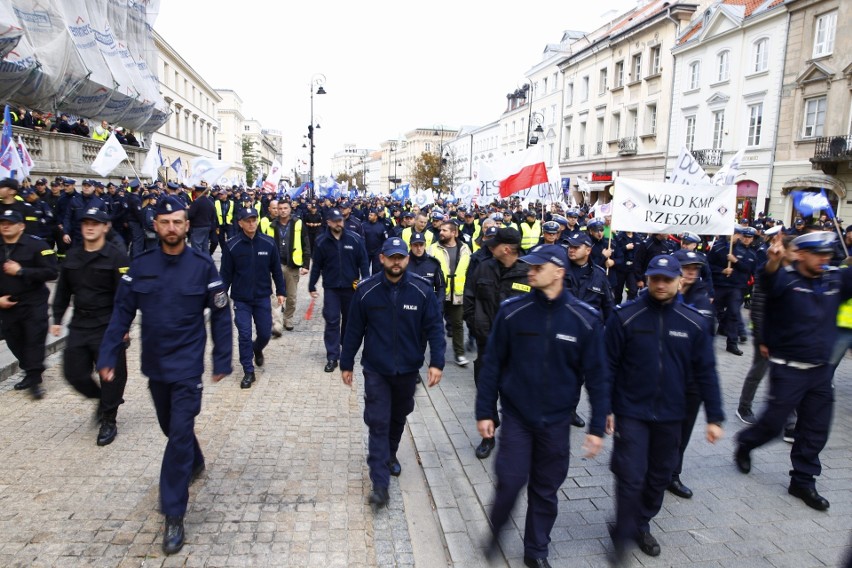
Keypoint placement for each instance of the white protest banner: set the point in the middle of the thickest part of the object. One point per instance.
(273, 177)
(207, 169)
(423, 198)
(110, 155)
(152, 162)
(655, 207)
(687, 170)
(728, 173)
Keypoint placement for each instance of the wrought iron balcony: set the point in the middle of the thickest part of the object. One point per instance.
(582, 151)
(830, 151)
(627, 146)
(567, 155)
(708, 156)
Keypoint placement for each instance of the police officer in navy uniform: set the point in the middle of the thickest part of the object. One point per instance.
(77, 207)
(655, 346)
(799, 330)
(375, 233)
(341, 259)
(625, 245)
(27, 263)
(540, 345)
(426, 266)
(248, 261)
(202, 219)
(173, 286)
(391, 312)
(90, 275)
(732, 268)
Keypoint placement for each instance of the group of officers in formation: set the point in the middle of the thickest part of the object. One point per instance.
(552, 300)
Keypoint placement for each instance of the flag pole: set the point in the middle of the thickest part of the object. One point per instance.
(839, 236)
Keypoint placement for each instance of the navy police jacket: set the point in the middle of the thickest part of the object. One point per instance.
(800, 317)
(342, 262)
(538, 352)
(589, 283)
(392, 319)
(654, 351)
(744, 268)
(246, 267)
(172, 291)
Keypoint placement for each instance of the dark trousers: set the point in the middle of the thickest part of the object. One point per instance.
(244, 313)
(25, 331)
(477, 368)
(177, 404)
(537, 458)
(376, 264)
(199, 238)
(454, 315)
(644, 456)
(137, 239)
(624, 278)
(219, 236)
(387, 402)
(811, 394)
(728, 302)
(693, 405)
(79, 360)
(759, 366)
(335, 312)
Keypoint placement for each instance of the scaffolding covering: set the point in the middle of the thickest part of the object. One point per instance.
(90, 58)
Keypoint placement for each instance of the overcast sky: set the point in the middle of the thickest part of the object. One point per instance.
(390, 67)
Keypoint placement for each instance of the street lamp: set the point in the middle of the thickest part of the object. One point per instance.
(392, 145)
(318, 80)
(441, 159)
(533, 133)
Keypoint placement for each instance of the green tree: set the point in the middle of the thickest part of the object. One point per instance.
(250, 160)
(426, 168)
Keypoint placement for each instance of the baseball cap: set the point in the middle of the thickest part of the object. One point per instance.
(10, 183)
(505, 236)
(572, 213)
(246, 212)
(95, 214)
(817, 242)
(687, 257)
(169, 204)
(417, 238)
(489, 233)
(393, 246)
(541, 254)
(580, 240)
(12, 216)
(663, 265)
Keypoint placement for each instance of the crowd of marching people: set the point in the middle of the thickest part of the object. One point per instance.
(545, 299)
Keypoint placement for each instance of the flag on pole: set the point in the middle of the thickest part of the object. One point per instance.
(273, 177)
(728, 173)
(160, 156)
(26, 159)
(109, 157)
(207, 169)
(10, 163)
(177, 165)
(808, 202)
(295, 192)
(402, 192)
(527, 170)
(423, 198)
(687, 170)
(150, 167)
(6, 137)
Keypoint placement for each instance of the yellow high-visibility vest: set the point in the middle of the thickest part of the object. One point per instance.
(530, 234)
(455, 280)
(229, 217)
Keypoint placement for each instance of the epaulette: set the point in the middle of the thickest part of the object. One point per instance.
(367, 279)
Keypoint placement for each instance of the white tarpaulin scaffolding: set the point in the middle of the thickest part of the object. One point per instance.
(90, 58)
(10, 31)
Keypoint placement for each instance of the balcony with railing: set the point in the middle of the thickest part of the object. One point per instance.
(830, 151)
(708, 156)
(599, 148)
(69, 155)
(627, 146)
(582, 151)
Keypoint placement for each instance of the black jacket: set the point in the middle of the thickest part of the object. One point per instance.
(92, 278)
(38, 265)
(489, 286)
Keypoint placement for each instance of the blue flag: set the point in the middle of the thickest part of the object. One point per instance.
(808, 202)
(297, 191)
(160, 156)
(177, 165)
(6, 139)
(402, 192)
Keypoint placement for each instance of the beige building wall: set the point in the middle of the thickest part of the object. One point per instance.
(232, 127)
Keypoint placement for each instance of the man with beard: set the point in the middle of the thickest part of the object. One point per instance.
(294, 248)
(454, 257)
(341, 259)
(173, 286)
(391, 312)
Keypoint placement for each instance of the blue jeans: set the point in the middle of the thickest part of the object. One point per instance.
(244, 313)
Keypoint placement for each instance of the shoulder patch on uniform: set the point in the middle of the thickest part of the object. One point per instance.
(214, 284)
(521, 287)
(123, 269)
(47, 252)
(127, 278)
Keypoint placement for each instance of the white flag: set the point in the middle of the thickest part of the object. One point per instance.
(10, 161)
(687, 170)
(655, 207)
(26, 159)
(728, 173)
(273, 177)
(207, 169)
(423, 198)
(152, 162)
(109, 157)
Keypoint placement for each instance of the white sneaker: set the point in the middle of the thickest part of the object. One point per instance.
(461, 361)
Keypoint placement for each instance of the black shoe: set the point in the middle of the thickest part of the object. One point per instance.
(276, 334)
(746, 416)
(107, 433)
(734, 349)
(197, 471)
(679, 489)
(743, 339)
(248, 379)
(742, 457)
(37, 391)
(379, 497)
(536, 562)
(330, 365)
(395, 467)
(789, 434)
(173, 535)
(648, 544)
(483, 450)
(288, 327)
(577, 421)
(258, 358)
(24, 384)
(810, 496)
(419, 378)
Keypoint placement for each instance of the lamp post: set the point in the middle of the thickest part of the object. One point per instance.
(533, 133)
(440, 157)
(392, 154)
(318, 80)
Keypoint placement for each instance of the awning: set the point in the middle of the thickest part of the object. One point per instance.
(814, 182)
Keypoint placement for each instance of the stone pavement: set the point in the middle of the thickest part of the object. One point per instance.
(286, 481)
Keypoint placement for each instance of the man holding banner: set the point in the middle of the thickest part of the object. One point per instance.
(732, 266)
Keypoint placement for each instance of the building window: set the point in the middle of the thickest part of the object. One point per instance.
(602, 80)
(616, 125)
(219, 152)
(814, 117)
(246, 128)
(722, 64)
(652, 119)
(584, 89)
(544, 85)
(636, 67)
(690, 132)
(569, 94)
(694, 75)
(755, 124)
(619, 74)
(824, 34)
(656, 59)
(718, 128)
(761, 55)
(633, 122)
